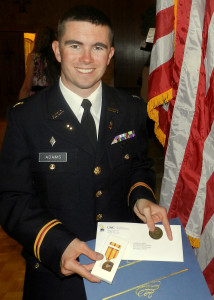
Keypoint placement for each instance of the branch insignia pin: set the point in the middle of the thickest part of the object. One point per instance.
(52, 141)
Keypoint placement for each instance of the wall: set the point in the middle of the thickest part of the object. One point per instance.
(126, 19)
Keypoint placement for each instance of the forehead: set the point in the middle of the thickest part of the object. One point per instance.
(86, 30)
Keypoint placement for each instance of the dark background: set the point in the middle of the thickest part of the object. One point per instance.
(17, 17)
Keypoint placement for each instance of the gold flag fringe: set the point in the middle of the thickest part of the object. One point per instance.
(195, 243)
(153, 113)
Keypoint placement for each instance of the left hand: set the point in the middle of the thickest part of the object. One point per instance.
(151, 213)
(70, 265)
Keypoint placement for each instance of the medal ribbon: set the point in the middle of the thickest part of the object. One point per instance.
(112, 251)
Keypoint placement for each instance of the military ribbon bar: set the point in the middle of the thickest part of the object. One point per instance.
(123, 137)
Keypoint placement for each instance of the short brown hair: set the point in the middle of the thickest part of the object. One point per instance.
(84, 13)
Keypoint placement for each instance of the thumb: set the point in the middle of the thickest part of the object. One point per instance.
(93, 255)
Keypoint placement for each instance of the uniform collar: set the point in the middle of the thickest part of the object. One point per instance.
(74, 101)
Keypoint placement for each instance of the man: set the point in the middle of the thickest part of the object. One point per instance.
(56, 182)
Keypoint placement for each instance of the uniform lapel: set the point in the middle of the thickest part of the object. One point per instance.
(62, 120)
(109, 121)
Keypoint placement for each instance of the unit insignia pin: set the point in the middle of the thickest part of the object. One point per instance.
(52, 141)
(110, 125)
(114, 110)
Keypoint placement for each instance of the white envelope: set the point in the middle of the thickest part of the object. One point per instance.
(141, 246)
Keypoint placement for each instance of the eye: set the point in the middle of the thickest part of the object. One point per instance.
(98, 48)
(75, 46)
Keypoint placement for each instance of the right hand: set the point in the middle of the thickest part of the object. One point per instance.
(70, 264)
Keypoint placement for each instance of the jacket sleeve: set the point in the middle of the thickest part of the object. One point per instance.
(21, 214)
(143, 175)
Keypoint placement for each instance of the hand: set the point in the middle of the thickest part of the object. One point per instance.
(151, 213)
(70, 265)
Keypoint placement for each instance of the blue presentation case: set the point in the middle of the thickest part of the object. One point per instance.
(137, 280)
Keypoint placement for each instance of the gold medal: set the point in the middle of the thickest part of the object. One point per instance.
(156, 234)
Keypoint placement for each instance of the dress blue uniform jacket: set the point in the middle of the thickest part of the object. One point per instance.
(54, 186)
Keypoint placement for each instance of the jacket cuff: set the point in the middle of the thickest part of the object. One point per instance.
(140, 190)
(50, 244)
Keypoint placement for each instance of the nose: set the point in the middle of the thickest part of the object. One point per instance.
(86, 56)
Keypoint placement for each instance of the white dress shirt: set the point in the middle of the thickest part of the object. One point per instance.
(75, 101)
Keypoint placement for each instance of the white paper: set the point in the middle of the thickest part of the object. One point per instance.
(150, 35)
(141, 246)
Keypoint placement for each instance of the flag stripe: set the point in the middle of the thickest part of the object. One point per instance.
(182, 20)
(160, 85)
(209, 208)
(209, 58)
(206, 242)
(164, 28)
(163, 73)
(209, 276)
(193, 228)
(164, 53)
(161, 5)
(205, 254)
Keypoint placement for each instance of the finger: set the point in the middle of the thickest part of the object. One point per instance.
(139, 215)
(167, 228)
(92, 254)
(91, 278)
(84, 271)
(156, 218)
(88, 267)
(149, 219)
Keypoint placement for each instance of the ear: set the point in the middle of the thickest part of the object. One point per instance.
(55, 47)
(111, 53)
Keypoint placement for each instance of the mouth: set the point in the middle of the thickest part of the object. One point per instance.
(85, 71)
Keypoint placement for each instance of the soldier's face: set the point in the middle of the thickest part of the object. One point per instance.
(84, 53)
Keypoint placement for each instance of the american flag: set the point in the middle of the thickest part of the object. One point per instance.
(181, 102)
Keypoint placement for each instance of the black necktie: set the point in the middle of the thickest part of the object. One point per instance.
(88, 123)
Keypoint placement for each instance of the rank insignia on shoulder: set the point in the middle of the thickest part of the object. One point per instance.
(18, 103)
(57, 114)
(135, 96)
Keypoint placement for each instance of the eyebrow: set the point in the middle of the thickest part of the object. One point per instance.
(70, 42)
(101, 45)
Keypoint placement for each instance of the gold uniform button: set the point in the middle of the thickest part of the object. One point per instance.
(69, 126)
(97, 170)
(52, 167)
(127, 156)
(36, 265)
(99, 217)
(98, 194)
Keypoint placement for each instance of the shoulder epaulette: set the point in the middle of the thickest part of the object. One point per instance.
(135, 96)
(18, 103)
